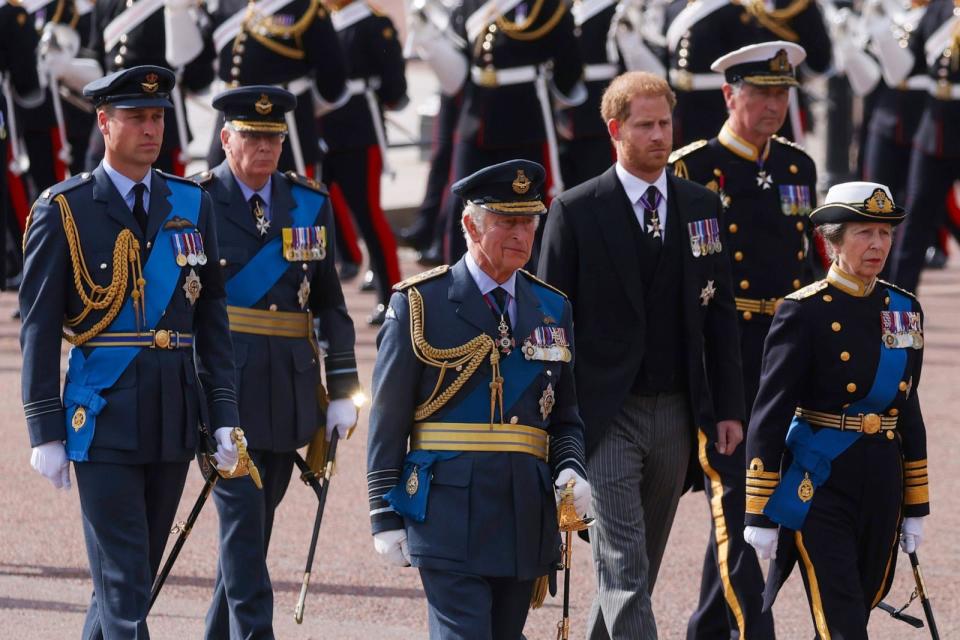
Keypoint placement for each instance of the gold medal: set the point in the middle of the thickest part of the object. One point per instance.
(79, 419)
(805, 490)
(181, 260)
(413, 482)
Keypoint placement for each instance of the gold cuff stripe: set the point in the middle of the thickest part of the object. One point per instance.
(916, 495)
(756, 505)
(919, 473)
(470, 436)
(917, 482)
(915, 464)
(753, 491)
(283, 324)
(816, 605)
(764, 307)
(765, 475)
(756, 482)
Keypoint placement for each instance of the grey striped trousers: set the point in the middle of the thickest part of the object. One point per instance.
(636, 474)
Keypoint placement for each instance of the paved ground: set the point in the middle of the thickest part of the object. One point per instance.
(44, 584)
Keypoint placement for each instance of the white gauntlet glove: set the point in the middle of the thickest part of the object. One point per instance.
(341, 415)
(50, 460)
(392, 547)
(226, 454)
(581, 490)
(911, 534)
(763, 539)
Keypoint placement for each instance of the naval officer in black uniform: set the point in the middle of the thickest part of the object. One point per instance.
(123, 263)
(475, 368)
(837, 445)
(277, 251)
(767, 186)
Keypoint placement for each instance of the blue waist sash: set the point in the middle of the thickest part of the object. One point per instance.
(263, 271)
(813, 452)
(88, 375)
(409, 496)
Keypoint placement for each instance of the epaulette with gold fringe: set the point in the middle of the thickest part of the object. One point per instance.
(686, 150)
(807, 291)
(542, 283)
(304, 181)
(421, 277)
(910, 294)
(789, 143)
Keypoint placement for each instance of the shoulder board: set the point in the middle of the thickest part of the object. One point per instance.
(436, 272)
(807, 291)
(175, 178)
(203, 178)
(890, 285)
(304, 181)
(68, 184)
(541, 282)
(788, 143)
(686, 150)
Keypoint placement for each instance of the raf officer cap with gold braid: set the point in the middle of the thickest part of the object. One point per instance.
(143, 86)
(259, 108)
(858, 202)
(765, 64)
(511, 188)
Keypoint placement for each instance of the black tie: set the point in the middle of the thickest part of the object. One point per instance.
(501, 296)
(651, 219)
(139, 212)
(259, 214)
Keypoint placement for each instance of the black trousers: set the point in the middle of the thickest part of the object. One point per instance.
(242, 604)
(127, 512)
(469, 607)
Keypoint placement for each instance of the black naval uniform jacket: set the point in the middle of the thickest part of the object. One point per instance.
(153, 410)
(938, 133)
(589, 252)
(374, 56)
(277, 377)
(488, 513)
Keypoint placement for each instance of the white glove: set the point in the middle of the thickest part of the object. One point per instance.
(341, 415)
(392, 547)
(581, 490)
(911, 534)
(50, 461)
(226, 454)
(763, 539)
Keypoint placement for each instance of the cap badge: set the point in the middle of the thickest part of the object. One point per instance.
(263, 105)
(151, 83)
(878, 202)
(521, 184)
(780, 63)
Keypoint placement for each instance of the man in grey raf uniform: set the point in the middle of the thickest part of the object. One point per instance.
(475, 368)
(277, 251)
(101, 269)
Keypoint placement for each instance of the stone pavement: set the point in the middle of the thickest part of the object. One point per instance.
(44, 585)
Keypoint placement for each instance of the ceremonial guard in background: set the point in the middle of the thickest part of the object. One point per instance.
(935, 162)
(511, 60)
(700, 32)
(475, 368)
(165, 33)
(356, 137)
(767, 186)
(277, 252)
(837, 445)
(123, 263)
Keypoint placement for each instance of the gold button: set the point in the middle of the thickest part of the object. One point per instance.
(893, 412)
(827, 297)
(732, 228)
(886, 300)
(835, 326)
(514, 420)
(796, 284)
(794, 169)
(223, 262)
(890, 434)
(799, 255)
(149, 244)
(273, 307)
(903, 386)
(717, 172)
(845, 355)
(738, 256)
(799, 226)
(747, 315)
(744, 284)
(851, 387)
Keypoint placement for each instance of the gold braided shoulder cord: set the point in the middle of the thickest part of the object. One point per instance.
(263, 30)
(519, 32)
(126, 258)
(469, 356)
(776, 19)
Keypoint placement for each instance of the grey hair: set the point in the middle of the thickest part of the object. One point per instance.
(477, 215)
(832, 234)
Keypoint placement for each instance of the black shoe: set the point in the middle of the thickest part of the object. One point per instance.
(432, 257)
(935, 258)
(348, 271)
(418, 235)
(369, 282)
(379, 314)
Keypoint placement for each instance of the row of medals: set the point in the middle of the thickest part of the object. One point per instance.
(191, 256)
(903, 340)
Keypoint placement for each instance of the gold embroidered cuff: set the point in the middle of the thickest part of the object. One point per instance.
(756, 505)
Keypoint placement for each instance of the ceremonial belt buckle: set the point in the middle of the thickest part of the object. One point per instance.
(488, 77)
(165, 339)
(869, 423)
(682, 79)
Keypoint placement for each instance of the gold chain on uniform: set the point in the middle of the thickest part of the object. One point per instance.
(126, 257)
(775, 19)
(518, 31)
(263, 30)
(469, 356)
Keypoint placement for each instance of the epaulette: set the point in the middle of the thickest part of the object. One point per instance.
(909, 294)
(686, 150)
(436, 272)
(62, 187)
(203, 178)
(304, 181)
(807, 291)
(176, 178)
(542, 283)
(789, 143)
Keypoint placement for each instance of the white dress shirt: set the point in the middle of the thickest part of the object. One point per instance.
(125, 186)
(637, 187)
(486, 284)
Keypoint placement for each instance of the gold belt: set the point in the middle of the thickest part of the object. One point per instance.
(284, 324)
(868, 423)
(765, 307)
(477, 436)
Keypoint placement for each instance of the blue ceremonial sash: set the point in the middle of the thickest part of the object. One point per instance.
(100, 369)
(518, 373)
(263, 271)
(814, 452)
(414, 505)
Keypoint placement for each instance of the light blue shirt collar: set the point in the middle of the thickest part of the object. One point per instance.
(125, 185)
(486, 284)
(263, 192)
